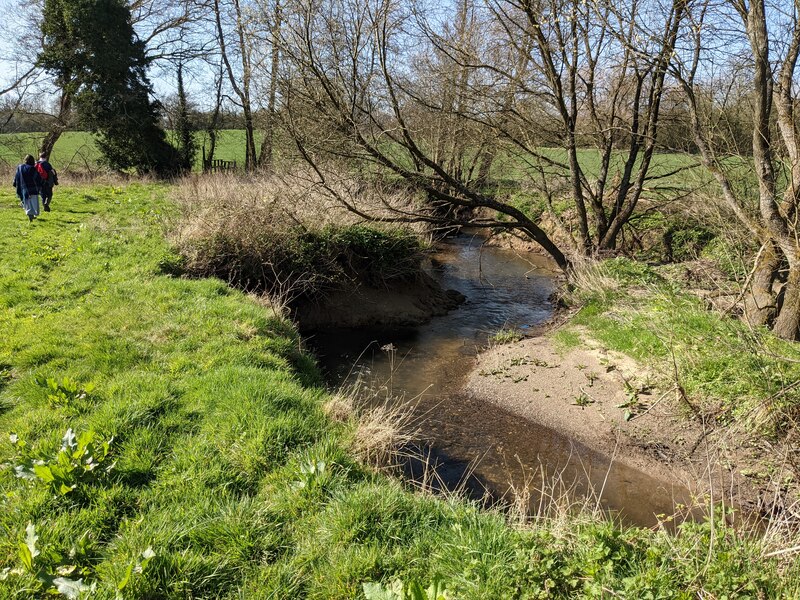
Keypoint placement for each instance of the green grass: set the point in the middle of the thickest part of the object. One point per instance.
(505, 336)
(508, 166)
(76, 150)
(566, 339)
(724, 366)
(228, 479)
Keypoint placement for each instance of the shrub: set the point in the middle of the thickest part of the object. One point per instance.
(276, 237)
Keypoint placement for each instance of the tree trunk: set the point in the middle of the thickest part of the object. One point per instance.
(60, 124)
(760, 305)
(265, 157)
(250, 140)
(51, 138)
(787, 323)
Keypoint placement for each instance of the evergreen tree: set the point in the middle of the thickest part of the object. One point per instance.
(91, 45)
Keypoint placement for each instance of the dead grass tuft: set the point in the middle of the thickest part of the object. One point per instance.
(589, 276)
(287, 234)
(383, 435)
(339, 408)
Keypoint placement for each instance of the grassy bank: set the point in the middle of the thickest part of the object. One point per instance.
(727, 370)
(215, 471)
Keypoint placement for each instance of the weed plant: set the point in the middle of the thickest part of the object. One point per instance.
(505, 335)
(229, 479)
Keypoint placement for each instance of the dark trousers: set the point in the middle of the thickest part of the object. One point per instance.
(47, 194)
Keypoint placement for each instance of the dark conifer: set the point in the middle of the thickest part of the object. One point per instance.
(91, 45)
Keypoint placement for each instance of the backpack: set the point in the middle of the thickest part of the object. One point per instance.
(42, 171)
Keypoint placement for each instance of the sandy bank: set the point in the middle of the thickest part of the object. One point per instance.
(619, 408)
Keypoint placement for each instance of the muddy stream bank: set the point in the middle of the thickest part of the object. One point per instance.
(428, 366)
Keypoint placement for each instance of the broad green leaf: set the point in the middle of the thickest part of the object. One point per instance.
(44, 473)
(375, 591)
(25, 556)
(25, 471)
(437, 590)
(68, 441)
(415, 592)
(30, 539)
(60, 472)
(86, 438)
(147, 556)
(124, 581)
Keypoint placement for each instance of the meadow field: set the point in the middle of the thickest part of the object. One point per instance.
(76, 151)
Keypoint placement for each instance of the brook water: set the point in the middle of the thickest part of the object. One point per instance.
(428, 365)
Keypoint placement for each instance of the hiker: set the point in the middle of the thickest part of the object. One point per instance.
(49, 179)
(28, 183)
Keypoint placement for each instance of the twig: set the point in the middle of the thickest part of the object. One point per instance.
(653, 405)
(784, 551)
(747, 280)
(681, 392)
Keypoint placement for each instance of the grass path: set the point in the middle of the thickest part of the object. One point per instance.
(223, 477)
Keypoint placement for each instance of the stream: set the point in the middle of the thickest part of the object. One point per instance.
(475, 444)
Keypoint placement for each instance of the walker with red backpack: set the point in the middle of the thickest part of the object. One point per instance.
(49, 179)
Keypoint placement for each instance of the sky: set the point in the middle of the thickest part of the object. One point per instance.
(14, 62)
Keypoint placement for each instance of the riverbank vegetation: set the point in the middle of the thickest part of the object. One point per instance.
(652, 315)
(215, 470)
(284, 236)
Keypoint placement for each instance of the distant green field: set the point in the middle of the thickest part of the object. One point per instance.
(76, 150)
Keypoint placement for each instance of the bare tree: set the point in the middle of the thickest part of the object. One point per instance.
(22, 82)
(515, 76)
(246, 32)
(771, 36)
(344, 91)
(235, 44)
(274, 18)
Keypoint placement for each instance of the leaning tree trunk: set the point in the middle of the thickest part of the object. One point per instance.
(760, 305)
(59, 125)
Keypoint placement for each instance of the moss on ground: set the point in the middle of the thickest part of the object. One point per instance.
(227, 480)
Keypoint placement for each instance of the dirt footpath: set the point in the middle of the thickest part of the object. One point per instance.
(621, 409)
